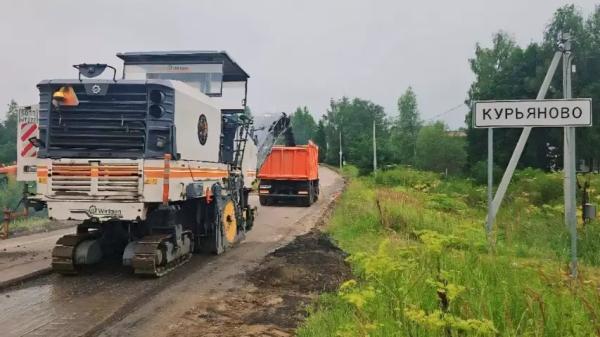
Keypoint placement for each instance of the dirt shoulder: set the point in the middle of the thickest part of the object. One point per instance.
(273, 303)
(275, 294)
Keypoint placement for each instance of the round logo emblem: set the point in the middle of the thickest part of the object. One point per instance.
(96, 89)
(93, 209)
(202, 129)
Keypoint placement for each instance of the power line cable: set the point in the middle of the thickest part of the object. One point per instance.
(446, 112)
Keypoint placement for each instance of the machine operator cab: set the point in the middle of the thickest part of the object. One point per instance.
(214, 74)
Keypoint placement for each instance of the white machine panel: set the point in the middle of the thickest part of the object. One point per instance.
(198, 124)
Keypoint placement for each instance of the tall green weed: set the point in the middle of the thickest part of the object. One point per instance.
(10, 193)
(423, 266)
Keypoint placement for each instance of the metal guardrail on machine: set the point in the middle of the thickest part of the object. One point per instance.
(8, 217)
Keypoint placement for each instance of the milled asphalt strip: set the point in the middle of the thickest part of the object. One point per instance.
(35, 259)
(28, 256)
(25, 277)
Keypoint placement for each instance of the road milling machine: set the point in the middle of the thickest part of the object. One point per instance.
(155, 166)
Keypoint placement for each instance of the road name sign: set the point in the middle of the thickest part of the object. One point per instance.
(533, 113)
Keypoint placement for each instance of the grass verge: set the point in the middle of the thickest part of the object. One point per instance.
(422, 265)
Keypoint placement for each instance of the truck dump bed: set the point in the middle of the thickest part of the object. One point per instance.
(291, 163)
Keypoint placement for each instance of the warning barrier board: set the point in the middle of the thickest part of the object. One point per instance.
(27, 128)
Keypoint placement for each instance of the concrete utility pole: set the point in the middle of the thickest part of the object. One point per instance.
(374, 149)
(570, 183)
(490, 181)
(341, 148)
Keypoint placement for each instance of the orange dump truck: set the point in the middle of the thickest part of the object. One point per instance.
(290, 173)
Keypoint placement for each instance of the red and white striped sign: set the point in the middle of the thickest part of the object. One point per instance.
(28, 130)
(27, 127)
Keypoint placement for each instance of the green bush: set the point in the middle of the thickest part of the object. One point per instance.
(10, 193)
(537, 186)
(408, 177)
(479, 171)
(350, 171)
(437, 151)
(445, 203)
(472, 194)
(589, 243)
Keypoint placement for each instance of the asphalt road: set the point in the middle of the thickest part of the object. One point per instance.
(23, 256)
(110, 301)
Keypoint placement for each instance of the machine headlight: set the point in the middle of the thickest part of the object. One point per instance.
(156, 110)
(157, 96)
(161, 142)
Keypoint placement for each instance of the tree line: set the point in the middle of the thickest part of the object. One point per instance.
(503, 71)
(8, 135)
(508, 71)
(403, 139)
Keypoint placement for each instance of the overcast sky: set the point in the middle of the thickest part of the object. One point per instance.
(296, 52)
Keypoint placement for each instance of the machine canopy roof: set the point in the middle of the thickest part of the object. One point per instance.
(231, 70)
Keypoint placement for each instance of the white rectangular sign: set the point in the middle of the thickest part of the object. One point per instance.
(542, 113)
(27, 127)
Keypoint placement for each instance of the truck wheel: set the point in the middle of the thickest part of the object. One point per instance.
(308, 200)
(264, 201)
(312, 194)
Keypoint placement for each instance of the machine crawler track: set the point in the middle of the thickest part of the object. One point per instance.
(145, 259)
(63, 254)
